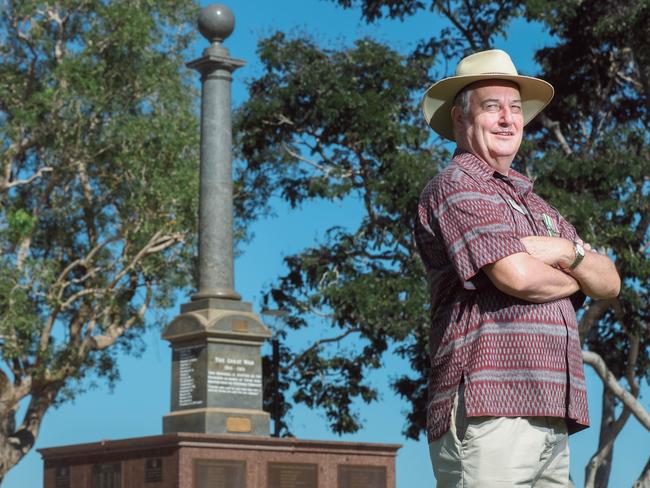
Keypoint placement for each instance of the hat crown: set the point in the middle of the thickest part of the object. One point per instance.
(486, 62)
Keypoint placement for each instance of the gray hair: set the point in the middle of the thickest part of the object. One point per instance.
(461, 100)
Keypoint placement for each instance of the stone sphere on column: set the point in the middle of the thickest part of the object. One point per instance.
(216, 22)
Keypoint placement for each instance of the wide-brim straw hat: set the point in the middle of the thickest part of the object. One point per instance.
(494, 64)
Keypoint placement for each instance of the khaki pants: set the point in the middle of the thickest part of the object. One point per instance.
(486, 452)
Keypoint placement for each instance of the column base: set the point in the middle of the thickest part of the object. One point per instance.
(217, 421)
(219, 293)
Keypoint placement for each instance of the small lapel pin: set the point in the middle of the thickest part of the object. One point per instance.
(516, 206)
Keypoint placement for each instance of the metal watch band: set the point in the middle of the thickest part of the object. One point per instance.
(580, 255)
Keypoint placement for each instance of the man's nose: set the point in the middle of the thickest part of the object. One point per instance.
(506, 116)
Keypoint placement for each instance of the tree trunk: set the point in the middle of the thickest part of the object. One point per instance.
(17, 441)
(12, 449)
(607, 419)
(9, 457)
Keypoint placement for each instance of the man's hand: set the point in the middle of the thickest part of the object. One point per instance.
(554, 251)
(596, 273)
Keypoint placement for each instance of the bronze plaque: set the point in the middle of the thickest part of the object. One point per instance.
(107, 475)
(351, 476)
(239, 325)
(217, 473)
(292, 475)
(153, 470)
(62, 477)
(238, 424)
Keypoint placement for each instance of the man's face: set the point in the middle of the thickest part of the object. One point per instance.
(492, 129)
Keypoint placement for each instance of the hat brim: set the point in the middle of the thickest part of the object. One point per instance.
(439, 98)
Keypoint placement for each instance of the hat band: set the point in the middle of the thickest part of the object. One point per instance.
(497, 73)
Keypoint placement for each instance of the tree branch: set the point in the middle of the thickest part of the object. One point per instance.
(45, 169)
(554, 127)
(316, 345)
(595, 361)
(608, 434)
(326, 170)
(156, 244)
(115, 330)
(59, 286)
(592, 314)
(447, 12)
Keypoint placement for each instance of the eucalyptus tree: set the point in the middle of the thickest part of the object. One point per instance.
(97, 193)
(344, 123)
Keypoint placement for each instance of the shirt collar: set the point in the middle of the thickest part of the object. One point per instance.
(477, 167)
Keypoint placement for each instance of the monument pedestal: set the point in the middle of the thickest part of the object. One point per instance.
(216, 369)
(190, 460)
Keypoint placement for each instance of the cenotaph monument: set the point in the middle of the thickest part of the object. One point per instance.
(216, 434)
(217, 367)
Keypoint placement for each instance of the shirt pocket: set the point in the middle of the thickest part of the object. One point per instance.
(547, 218)
(517, 215)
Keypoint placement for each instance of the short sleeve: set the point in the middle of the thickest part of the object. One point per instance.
(471, 221)
(566, 229)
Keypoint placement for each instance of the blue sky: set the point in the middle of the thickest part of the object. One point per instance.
(136, 407)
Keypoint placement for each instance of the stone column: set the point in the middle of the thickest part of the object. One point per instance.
(216, 271)
(216, 339)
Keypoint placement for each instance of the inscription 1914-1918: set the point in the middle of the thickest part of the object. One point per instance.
(234, 376)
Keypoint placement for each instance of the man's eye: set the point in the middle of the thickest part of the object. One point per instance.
(492, 107)
(515, 109)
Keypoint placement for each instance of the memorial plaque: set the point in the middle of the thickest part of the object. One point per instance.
(107, 475)
(351, 476)
(188, 377)
(153, 470)
(62, 477)
(291, 475)
(239, 326)
(238, 424)
(234, 376)
(209, 473)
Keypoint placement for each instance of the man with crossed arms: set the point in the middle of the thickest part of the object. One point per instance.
(507, 380)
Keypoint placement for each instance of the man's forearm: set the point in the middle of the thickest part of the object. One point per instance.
(597, 276)
(528, 278)
(596, 273)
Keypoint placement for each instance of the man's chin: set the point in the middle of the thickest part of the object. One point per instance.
(506, 148)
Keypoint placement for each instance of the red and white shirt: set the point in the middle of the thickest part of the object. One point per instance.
(515, 357)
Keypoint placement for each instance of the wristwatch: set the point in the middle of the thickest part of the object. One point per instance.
(580, 254)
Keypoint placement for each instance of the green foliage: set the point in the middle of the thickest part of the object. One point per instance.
(334, 124)
(599, 178)
(20, 225)
(98, 190)
(328, 124)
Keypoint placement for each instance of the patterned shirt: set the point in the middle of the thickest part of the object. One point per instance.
(516, 358)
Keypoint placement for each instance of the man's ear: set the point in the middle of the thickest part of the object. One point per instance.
(456, 115)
